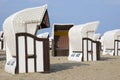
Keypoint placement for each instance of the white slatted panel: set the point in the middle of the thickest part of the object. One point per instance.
(94, 52)
(39, 53)
(21, 47)
(119, 48)
(115, 48)
(85, 50)
(119, 52)
(119, 44)
(0, 45)
(30, 45)
(89, 45)
(30, 48)
(89, 49)
(31, 65)
(89, 57)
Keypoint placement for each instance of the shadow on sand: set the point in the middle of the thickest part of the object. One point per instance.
(106, 58)
(2, 58)
(64, 66)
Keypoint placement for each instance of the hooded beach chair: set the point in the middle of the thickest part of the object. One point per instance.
(111, 42)
(82, 46)
(60, 42)
(25, 52)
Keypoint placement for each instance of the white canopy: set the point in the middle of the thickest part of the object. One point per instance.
(109, 37)
(78, 32)
(23, 21)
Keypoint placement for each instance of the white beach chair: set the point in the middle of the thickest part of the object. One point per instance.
(25, 52)
(82, 47)
(111, 42)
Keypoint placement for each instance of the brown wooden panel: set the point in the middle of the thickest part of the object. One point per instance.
(61, 41)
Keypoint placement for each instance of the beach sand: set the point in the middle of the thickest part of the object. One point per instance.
(108, 68)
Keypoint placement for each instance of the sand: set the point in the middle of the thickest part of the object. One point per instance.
(108, 68)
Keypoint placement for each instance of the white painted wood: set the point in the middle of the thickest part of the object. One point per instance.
(89, 57)
(94, 52)
(89, 45)
(119, 52)
(30, 48)
(21, 41)
(119, 47)
(30, 45)
(31, 65)
(85, 50)
(115, 48)
(0, 45)
(89, 49)
(39, 53)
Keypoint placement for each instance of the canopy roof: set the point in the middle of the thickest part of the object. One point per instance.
(109, 37)
(77, 32)
(28, 20)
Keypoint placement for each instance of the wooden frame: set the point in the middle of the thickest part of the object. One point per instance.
(2, 44)
(97, 47)
(46, 59)
(90, 51)
(116, 47)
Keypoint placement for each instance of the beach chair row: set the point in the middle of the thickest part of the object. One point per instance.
(28, 52)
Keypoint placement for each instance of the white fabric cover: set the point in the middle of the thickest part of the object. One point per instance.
(23, 21)
(43, 35)
(109, 37)
(108, 41)
(97, 37)
(77, 32)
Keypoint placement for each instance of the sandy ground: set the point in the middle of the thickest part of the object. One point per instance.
(108, 68)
